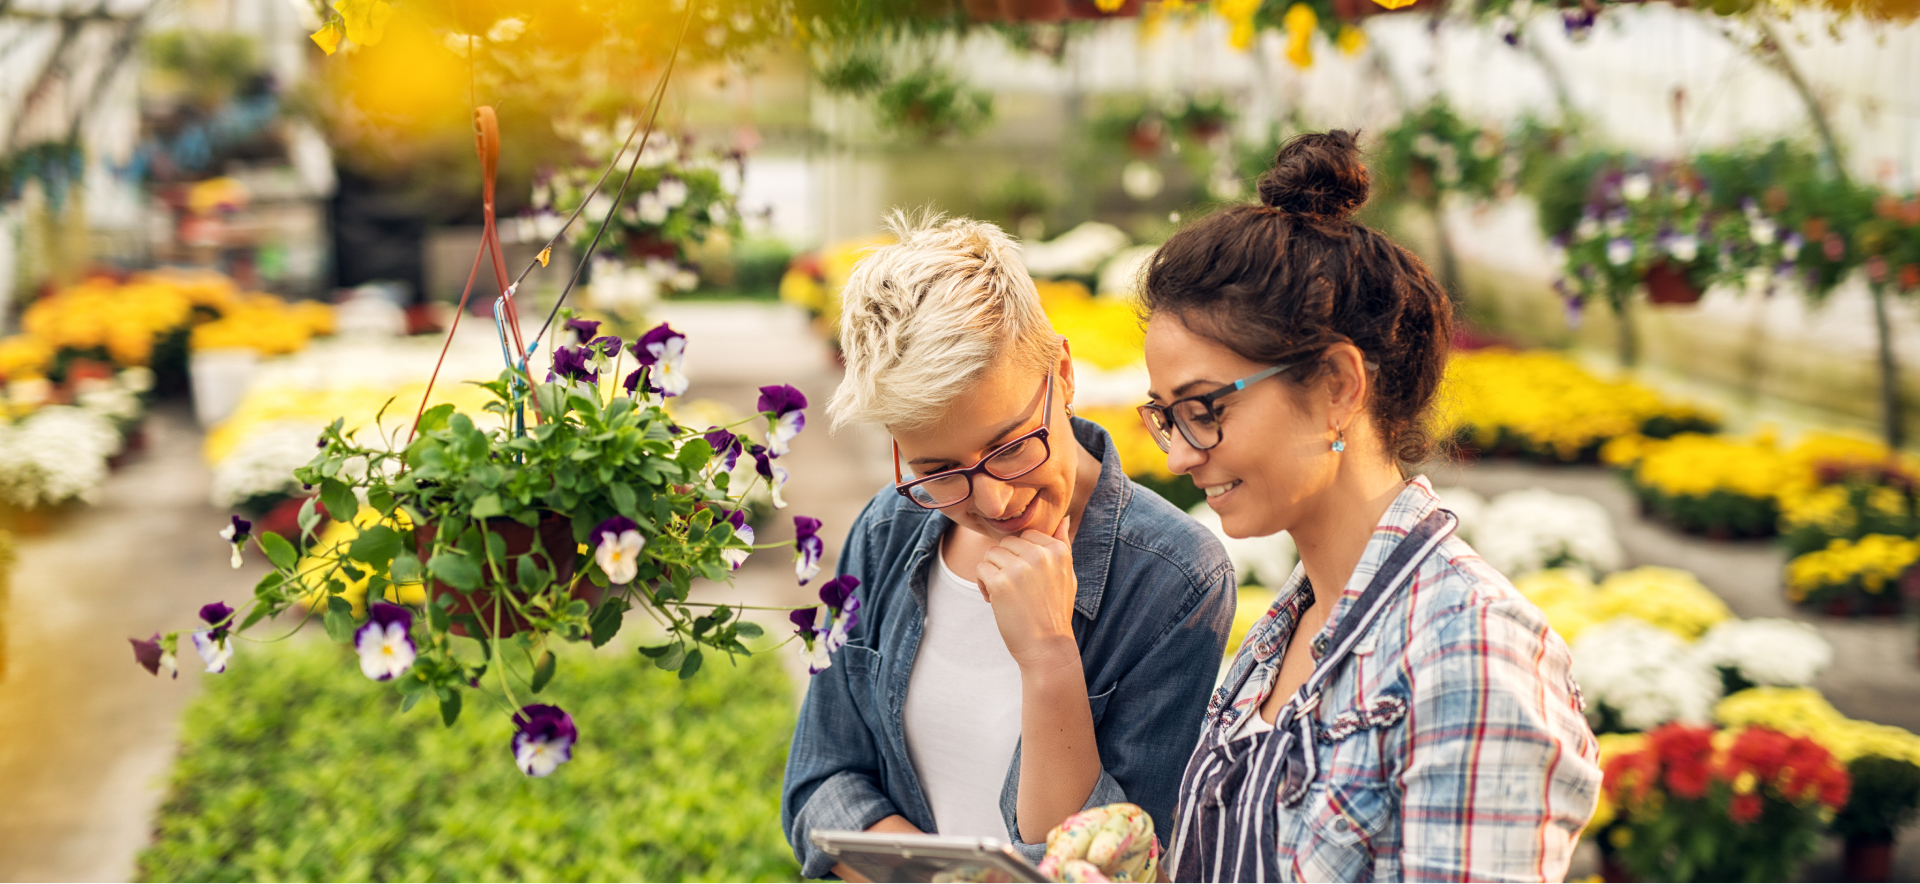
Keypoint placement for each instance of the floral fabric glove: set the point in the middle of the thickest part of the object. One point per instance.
(1111, 843)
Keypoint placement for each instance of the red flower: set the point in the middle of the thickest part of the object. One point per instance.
(1745, 808)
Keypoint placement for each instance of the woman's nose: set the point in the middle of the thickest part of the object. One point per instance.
(1181, 457)
(991, 498)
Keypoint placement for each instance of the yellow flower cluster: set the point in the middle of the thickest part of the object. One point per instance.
(813, 282)
(1669, 598)
(1804, 712)
(1830, 508)
(1875, 560)
(1139, 454)
(265, 323)
(1105, 332)
(1696, 465)
(1543, 401)
(331, 544)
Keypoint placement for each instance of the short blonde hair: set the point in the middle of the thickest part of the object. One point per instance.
(923, 318)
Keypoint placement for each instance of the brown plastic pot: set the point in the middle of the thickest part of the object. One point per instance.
(982, 10)
(1089, 10)
(1667, 285)
(558, 553)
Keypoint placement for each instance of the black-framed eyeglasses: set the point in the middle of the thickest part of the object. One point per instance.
(1016, 458)
(1194, 416)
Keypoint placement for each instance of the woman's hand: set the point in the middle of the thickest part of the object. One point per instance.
(1029, 581)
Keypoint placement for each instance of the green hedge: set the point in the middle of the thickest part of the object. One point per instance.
(295, 767)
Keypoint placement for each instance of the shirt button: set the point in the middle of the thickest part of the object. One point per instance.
(1319, 647)
(1341, 824)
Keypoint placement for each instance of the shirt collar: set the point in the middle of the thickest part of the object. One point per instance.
(1094, 539)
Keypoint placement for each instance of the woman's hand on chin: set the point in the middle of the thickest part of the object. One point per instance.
(1029, 581)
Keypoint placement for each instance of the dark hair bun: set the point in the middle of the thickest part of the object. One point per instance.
(1319, 173)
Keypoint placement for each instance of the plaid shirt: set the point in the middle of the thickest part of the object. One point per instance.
(1450, 747)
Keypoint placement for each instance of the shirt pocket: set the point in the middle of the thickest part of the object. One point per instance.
(863, 679)
(1341, 821)
(1097, 703)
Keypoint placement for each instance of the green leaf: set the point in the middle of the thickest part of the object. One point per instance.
(488, 506)
(309, 515)
(436, 417)
(623, 497)
(377, 545)
(671, 660)
(338, 498)
(695, 454)
(339, 624)
(607, 620)
(543, 671)
(656, 650)
(406, 569)
(449, 706)
(456, 570)
(409, 700)
(691, 665)
(258, 614)
(748, 629)
(438, 617)
(279, 551)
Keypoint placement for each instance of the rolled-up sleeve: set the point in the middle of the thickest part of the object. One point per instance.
(1501, 773)
(1150, 720)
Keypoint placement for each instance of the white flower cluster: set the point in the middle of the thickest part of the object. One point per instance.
(263, 463)
(1267, 561)
(57, 454)
(1078, 252)
(1525, 531)
(1645, 674)
(1466, 505)
(1766, 651)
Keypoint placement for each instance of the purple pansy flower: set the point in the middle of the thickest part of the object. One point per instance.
(726, 446)
(742, 532)
(807, 548)
(838, 596)
(617, 549)
(606, 346)
(813, 647)
(663, 352)
(385, 642)
(583, 329)
(775, 474)
(571, 363)
(214, 644)
(543, 739)
(782, 404)
(238, 532)
(154, 654)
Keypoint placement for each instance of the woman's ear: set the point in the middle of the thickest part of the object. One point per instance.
(1347, 385)
(1065, 370)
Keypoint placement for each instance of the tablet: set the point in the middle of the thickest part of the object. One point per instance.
(894, 857)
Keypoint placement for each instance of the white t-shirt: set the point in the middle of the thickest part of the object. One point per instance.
(963, 709)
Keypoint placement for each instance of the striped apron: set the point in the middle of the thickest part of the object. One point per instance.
(1226, 822)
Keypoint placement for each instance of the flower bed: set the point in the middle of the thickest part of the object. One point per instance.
(684, 786)
(1853, 576)
(1710, 485)
(1541, 406)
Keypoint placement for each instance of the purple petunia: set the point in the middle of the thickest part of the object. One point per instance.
(663, 352)
(385, 642)
(807, 548)
(571, 363)
(543, 739)
(783, 405)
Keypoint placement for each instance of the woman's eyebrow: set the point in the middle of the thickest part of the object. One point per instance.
(997, 438)
(1184, 389)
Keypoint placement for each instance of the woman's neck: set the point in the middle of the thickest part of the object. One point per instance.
(1332, 536)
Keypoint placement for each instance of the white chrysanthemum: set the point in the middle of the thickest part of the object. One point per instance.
(1266, 561)
(1525, 531)
(1644, 673)
(57, 454)
(263, 463)
(1766, 651)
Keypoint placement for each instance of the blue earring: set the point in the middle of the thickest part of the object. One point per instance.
(1340, 444)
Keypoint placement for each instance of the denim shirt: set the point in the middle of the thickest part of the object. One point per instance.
(1151, 615)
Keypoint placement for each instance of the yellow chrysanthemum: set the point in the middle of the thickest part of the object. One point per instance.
(1804, 712)
(1669, 598)
(1105, 332)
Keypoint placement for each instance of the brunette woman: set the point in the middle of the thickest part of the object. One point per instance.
(1401, 713)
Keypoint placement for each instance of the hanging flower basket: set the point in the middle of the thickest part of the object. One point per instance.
(1033, 10)
(1667, 285)
(982, 10)
(1354, 11)
(1089, 10)
(556, 553)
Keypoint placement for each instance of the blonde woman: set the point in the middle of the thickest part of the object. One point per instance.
(1036, 634)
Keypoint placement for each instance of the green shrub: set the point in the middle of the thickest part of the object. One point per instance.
(293, 767)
